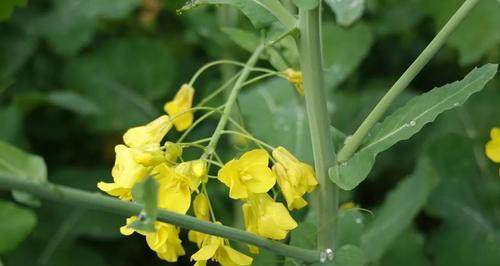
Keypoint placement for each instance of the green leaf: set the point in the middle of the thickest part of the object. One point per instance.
(146, 193)
(245, 39)
(258, 14)
(306, 4)
(467, 233)
(7, 7)
(71, 24)
(407, 121)
(349, 255)
(398, 210)
(471, 43)
(407, 249)
(15, 225)
(344, 49)
(123, 94)
(15, 49)
(16, 162)
(72, 101)
(347, 11)
(350, 225)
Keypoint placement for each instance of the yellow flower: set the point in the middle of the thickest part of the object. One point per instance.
(202, 212)
(172, 152)
(249, 174)
(216, 249)
(151, 133)
(148, 155)
(295, 77)
(265, 217)
(493, 146)
(201, 208)
(179, 107)
(175, 188)
(165, 241)
(294, 178)
(126, 173)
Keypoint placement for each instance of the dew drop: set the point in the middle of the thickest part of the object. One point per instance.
(456, 104)
(359, 220)
(343, 164)
(413, 123)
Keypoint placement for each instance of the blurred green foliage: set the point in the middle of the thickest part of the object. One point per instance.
(74, 75)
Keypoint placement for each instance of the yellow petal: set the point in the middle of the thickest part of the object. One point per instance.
(237, 189)
(179, 107)
(201, 208)
(493, 150)
(151, 133)
(263, 179)
(229, 256)
(254, 157)
(205, 253)
(174, 197)
(125, 230)
(127, 172)
(495, 133)
(115, 190)
(228, 171)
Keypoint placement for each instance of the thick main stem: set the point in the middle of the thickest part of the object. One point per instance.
(231, 101)
(96, 201)
(355, 141)
(319, 124)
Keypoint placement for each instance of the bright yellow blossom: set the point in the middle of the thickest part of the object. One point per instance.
(249, 174)
(179, 107)
(294, 178)
(172, 152)
(202, 212)
(493, 146)
(265, 217)
(295, 77)
(176, 186)
(126, 173)
(148, 155)
(151, 133)
(165, 241)
(216, 249)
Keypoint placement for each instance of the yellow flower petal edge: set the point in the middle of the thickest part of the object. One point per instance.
(126, 173)
(294, 178)
(249, 174)
(151, 133)
(165, 241)
(179, 106)
(218, 249)
(265, 217)
(492, 148)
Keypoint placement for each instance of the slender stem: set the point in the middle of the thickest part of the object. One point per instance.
(319, 124)
(355, 141)
(257, 141)
(97, 201)
(231, 101)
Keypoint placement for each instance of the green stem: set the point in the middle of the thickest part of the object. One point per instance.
(355, 141)
(96, 201)
(231, 101)
(319, 124)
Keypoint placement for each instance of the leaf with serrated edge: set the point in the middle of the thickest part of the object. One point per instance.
(407, 121)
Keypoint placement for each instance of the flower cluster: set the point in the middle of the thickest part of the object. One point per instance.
(249, 178)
